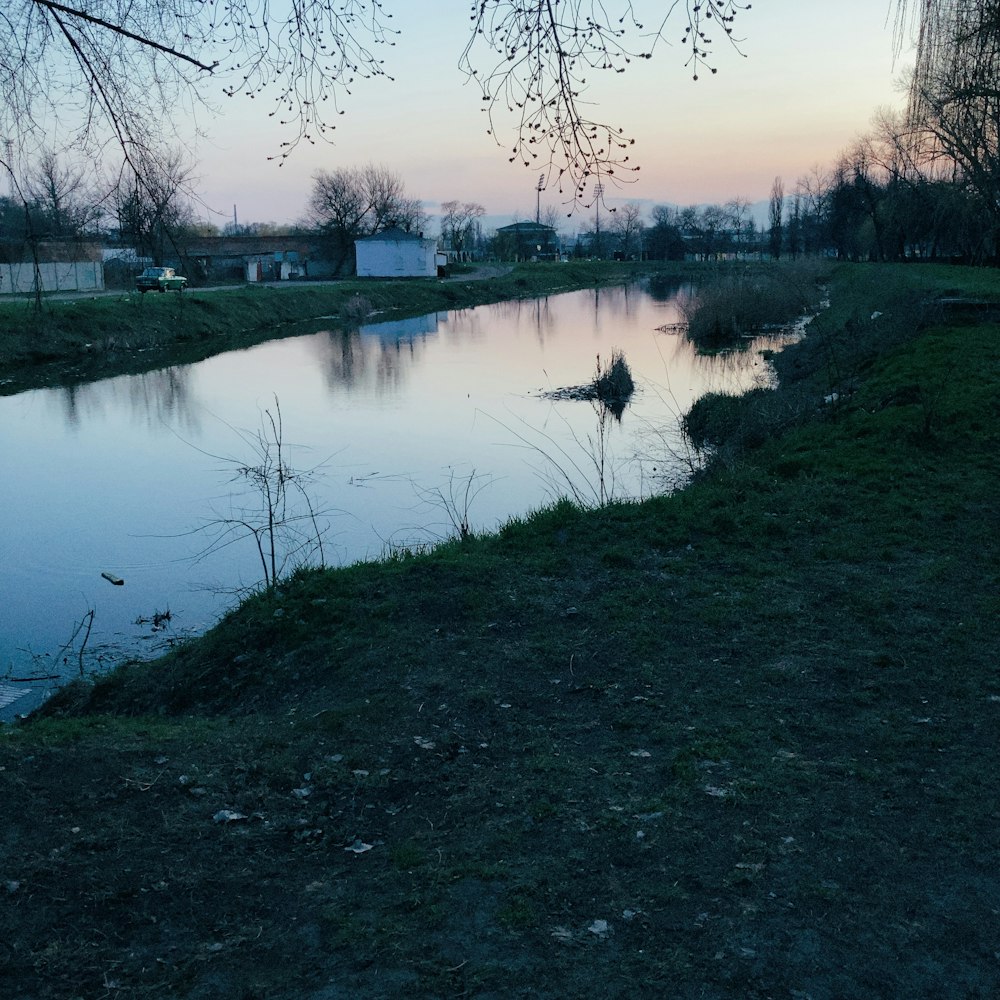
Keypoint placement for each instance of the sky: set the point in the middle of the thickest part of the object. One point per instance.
(808, 83)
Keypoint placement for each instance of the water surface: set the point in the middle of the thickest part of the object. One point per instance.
(128, 475)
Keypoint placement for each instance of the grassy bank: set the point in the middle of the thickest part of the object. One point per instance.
(78, 339)
(733, 743)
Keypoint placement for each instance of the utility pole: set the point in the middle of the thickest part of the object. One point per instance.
(598, 195)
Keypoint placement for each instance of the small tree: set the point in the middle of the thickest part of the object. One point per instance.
(63, 206)
(151, 203)
(739, 220)
(460, 224)
(275, 510)
(626, 225)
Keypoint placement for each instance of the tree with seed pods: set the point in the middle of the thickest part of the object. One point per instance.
(128, 72)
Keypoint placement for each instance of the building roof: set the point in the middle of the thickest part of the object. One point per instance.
(391, 235)
(526, 227)
(49, 251)
(242, 246)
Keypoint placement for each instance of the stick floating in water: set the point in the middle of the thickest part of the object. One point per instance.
(116, 580)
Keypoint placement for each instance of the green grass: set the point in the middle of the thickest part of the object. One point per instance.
(749, 725)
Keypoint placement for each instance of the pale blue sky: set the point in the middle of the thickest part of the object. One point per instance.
(813, 76)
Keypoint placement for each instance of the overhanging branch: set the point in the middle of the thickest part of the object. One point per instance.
(119, 30)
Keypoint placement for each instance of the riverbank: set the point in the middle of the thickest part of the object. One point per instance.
(735, 742)
(75, 340)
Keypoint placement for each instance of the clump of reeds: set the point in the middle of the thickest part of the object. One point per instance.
(739, 305)
(613, 383)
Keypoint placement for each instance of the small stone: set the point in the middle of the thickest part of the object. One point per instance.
(228, 816)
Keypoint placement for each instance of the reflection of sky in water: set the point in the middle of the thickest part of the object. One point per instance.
(116, 475)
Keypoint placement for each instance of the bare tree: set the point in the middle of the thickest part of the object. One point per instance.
(811, 209)
(353, 202)
(775, 214)
(715, 231)
(627, 225)
(459, 221)
(60, 198)
(151, 204)
(740, 221)
(955, 92)
(664, 240)
(551, 217)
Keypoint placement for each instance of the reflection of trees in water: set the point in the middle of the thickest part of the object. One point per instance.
(597, 309)
(374, 359)
(341, 357)
(164, 396)
(726, 371)
(158, 397)
(616, 302)
(537, 314)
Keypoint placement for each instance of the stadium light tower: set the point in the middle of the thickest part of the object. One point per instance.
(598, 195)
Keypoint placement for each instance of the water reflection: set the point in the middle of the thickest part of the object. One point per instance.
(162, 396)
(373, 358)
(396, 330)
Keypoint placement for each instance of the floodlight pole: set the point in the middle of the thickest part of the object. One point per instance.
(538, 199)
(598, 195)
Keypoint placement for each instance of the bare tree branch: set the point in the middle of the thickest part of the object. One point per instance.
(134, 71)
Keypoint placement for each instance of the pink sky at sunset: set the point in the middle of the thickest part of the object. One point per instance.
(812, 78)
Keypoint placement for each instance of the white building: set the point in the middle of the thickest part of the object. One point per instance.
(395, 253)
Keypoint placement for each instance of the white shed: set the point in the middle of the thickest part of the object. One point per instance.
(396, 253)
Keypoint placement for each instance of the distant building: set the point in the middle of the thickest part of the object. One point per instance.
(395, 253)
(246, 258)
(50, 266)
(528, 241)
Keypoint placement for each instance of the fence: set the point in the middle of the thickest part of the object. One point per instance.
(66, 276)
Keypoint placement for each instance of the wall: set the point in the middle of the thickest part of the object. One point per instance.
(71, 276)
(396, 258)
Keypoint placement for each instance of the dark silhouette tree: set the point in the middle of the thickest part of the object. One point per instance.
(627, 228)
(955, 93)
(151, 205)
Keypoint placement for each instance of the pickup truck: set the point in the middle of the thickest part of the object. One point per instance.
(159, 279)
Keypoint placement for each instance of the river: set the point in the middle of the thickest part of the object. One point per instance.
(138, 477)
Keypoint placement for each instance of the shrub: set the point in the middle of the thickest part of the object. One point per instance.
(735, 424)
